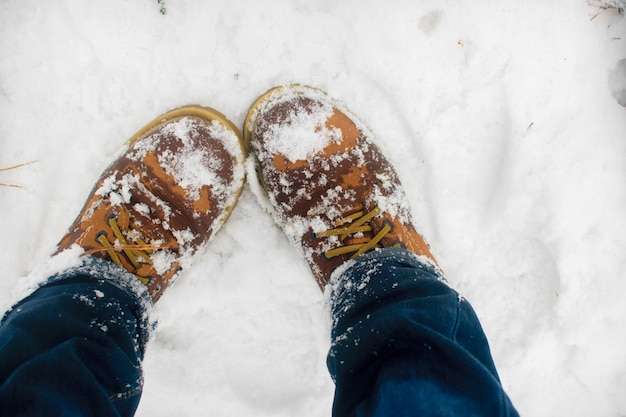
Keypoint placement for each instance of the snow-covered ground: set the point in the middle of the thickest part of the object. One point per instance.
(501, 117)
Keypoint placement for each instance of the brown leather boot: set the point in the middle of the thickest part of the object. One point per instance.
(165, 197)
(331, 190)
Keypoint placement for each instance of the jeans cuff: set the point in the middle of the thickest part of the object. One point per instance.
(92, 268)
(374, 276)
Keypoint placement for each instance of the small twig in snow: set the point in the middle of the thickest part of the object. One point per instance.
(14, 167)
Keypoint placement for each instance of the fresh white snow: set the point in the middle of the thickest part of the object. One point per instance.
(501, 118)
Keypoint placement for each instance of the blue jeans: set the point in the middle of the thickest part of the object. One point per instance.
(403, 343)
(74, 346)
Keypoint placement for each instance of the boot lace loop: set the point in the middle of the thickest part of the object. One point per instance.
(353, 224)
(120, 251)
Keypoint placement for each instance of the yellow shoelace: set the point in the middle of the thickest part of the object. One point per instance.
(136, 253)
(358, 223)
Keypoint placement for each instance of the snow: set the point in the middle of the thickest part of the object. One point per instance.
(188, 166)
(501, 118)
(307, 128)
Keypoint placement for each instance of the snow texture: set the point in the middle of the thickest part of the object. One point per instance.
(617, 4)
(308, 127)
(501, 118)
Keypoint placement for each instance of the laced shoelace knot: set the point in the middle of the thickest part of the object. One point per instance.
(351, 225)
(123, 253)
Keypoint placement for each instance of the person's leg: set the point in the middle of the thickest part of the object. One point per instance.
(404, 343)
(75, 345)
(401, 337)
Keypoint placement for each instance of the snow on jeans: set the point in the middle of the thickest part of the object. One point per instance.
(74, 346)
(404, 343)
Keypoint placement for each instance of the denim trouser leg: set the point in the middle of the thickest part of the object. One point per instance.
(406, 344)
(74, 346)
